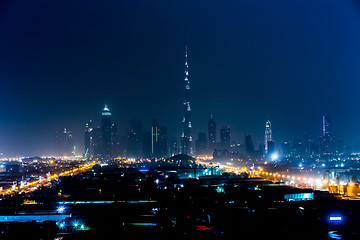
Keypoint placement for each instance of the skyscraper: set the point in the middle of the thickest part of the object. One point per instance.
(134, 141)
(268, 135)
(88, 139)
(212, 134)
(327, 139)
(106, 132)
(186, 139)
(201, 144)
(326, 126)
(115, 141)
(163, 142)
(147, 144)
(249, 145)
(225, 137)
(154, 137)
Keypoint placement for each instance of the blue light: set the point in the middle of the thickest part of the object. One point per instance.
(61, 209)
(335, 218)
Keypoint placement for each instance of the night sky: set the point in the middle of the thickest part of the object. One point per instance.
(249, 60)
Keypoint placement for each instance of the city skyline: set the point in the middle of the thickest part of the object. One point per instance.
(59, 69)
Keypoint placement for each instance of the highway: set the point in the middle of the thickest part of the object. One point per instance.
(33, 185)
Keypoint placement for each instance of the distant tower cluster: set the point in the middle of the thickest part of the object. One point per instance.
(186, 139)
(268, 136)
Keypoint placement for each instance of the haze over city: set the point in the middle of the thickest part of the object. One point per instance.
(249, 61)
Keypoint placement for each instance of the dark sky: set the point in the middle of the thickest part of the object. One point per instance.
(290, 61)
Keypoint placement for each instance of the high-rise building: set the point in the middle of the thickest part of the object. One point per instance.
(115, 141)
(298, 148)
(268, 136)
(134, 143)
(154, 138)
(326, 126)
(327, 139)
(106, 132)
(186, 139)
(173, 146)
(147, 145)
(88, 139)
(68, 142)
(212, 134)
(286, 148)
(63, 142)
(249, 145)
(163, 142)
(225, 137)
(201, 146)
(97, 142)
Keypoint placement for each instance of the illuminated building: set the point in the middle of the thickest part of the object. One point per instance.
(225, 137)
(88, 139)
(268, 135)
(106, 132)
(186, 139)
(326, 125)
(134, 141)
(154, 137)
(115, 141)
(97, 142)
(212, 133)
(286, 148)
(327, 139)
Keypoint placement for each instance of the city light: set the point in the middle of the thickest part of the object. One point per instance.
(275, 156)
(61, 209)
(335, 218)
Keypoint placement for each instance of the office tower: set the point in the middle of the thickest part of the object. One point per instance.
(134, 141)
(163, 142)
(67, 142)
(249, 145)
(88, 139)
(268, 135)
(97, 142)
(225, 137)
(212, 134)
(173, 146)
(147, 145)
(186, 139)
(326, 125)
(154, 138)
(115, 141)
(340, 147)
(106, 132)
(201, 145)
(286, 148)
(327, 139)
(298, 148)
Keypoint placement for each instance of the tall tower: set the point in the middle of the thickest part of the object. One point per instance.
(225, 137)
(186, 139)
(268, 135)
(106, 132)
(154, 138)
(212, 134)
(88, 139)
(326, 126)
